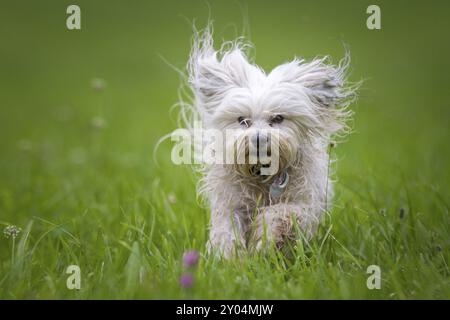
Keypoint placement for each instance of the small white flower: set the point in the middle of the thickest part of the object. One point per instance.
(172, 198)
(11, 231)
(98, 122)
(98, 84)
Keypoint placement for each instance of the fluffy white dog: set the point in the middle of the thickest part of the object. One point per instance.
(306, 103)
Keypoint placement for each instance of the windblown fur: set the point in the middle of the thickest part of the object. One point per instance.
(312, 98)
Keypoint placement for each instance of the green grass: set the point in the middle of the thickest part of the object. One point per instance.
(95, 198)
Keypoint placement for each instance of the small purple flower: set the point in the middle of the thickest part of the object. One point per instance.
(190, 258)
(186, 280)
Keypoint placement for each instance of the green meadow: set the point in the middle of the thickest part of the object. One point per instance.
(82, 110)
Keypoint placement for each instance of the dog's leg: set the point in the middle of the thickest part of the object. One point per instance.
(273, 224)
(227, 233)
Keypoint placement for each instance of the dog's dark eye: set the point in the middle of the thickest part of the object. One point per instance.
(244, 122)
(277, 119)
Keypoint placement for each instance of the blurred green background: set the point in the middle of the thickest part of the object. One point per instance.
(77, 173)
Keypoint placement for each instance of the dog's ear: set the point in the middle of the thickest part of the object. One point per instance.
(212, 74)
(324, 85)
(324, 82)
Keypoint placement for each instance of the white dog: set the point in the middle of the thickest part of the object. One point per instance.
(306, 102)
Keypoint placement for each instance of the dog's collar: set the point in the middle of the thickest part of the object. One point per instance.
(279, 185)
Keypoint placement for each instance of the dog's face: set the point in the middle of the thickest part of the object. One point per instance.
(275, 115)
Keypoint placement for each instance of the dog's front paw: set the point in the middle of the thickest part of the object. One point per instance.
(270, 228)
(225, 246)
(262, 245)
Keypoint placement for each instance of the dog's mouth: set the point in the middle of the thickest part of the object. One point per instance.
(258, 169)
